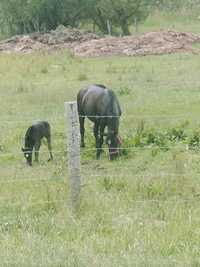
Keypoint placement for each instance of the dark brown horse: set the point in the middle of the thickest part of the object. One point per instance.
(33, 137)
(101, 106)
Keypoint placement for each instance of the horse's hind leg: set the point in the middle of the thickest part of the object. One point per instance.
(49, 148)
(82, 130)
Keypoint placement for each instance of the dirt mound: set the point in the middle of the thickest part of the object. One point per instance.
(84, 43)
(152, 43)
(60, 38)
(63, 35)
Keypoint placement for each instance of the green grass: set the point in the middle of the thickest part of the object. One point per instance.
(184, 20)
(142, 210)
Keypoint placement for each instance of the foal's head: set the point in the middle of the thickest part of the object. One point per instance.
(27, 155)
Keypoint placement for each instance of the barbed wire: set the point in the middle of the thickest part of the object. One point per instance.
(186, 147)
(122, 117)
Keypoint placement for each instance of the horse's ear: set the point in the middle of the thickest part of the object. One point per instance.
(23, 149)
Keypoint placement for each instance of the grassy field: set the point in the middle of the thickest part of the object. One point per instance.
(142, 210)
(181, 20)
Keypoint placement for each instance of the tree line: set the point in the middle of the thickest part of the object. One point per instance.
(25, 16)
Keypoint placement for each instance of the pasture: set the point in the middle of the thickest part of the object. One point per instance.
(141, 210)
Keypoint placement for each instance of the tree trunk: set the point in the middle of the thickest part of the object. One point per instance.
(101, 22)
(125, 28)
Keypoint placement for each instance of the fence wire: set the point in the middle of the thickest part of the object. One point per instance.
(135, 148)
(6, 202)
(28, 120)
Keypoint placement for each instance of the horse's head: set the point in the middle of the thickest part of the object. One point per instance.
(114, 142)
(28, 155)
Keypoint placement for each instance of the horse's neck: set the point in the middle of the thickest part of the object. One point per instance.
(29, 142)
(113, 109)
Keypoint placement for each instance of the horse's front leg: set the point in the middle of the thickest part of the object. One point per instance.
(96, 134)
(37, 147)
(82, 130)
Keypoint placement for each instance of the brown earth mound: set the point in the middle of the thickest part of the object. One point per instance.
(60, 38)
(152, 43)
(84, 43)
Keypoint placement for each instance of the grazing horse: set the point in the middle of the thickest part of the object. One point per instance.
(33, 137)
(101, 106)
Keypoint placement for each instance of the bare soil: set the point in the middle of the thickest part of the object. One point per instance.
(83, 43)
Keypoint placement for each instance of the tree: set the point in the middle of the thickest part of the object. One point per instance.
(24, 16)
(121, 13)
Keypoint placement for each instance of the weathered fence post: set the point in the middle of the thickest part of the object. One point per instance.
(73, 147)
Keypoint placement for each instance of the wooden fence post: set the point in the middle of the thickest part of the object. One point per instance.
(73, 148)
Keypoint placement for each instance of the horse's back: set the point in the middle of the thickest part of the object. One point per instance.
(97, 100)
(41, 129)
(90, 99)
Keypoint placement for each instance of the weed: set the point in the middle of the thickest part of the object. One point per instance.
(44, 70)
(113, 184)
(124, 91)
(21, 88)
(82, 77)
(194, 140)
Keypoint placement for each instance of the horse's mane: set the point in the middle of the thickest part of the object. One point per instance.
(101, 85)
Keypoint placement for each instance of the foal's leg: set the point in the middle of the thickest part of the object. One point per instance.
(37, 147)
(82, 130)
(49, 147)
